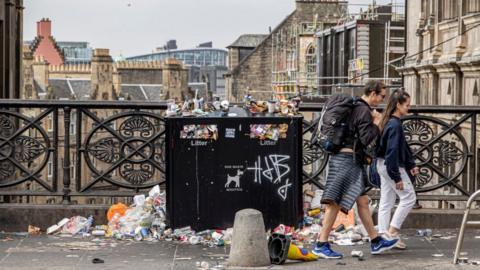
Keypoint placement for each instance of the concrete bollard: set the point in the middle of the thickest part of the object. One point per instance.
(249, 240)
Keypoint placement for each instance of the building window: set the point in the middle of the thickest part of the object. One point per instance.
(50, 123)
(311, 57)
(472, 6)
(475, 94)
(50, 169)
(448, 9)
(73, 124)
(352, 42)
(72, 167)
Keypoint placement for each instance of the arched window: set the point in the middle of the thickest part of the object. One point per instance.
(311, 57)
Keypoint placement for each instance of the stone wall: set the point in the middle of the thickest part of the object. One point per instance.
(253, 74)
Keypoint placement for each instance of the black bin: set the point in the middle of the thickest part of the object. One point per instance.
(212, 176)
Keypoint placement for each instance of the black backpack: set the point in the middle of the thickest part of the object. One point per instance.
(333, 129)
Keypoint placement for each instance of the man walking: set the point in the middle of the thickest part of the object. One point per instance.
(345, 183)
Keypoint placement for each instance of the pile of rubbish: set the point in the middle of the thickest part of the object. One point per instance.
(144, 220)
(283, 107)
(196, 106)
(345, 232)
(199, 107)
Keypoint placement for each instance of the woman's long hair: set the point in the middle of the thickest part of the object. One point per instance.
(397, 97)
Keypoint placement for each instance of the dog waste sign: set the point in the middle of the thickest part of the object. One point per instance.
(219, 165)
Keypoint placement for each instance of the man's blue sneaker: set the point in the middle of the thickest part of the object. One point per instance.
(325, 252)
(382, 245)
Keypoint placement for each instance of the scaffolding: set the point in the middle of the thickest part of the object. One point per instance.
(394, 47)
(294, 65)
(284, 61)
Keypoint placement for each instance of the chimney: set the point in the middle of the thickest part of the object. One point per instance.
(40, 72)
(44, 28)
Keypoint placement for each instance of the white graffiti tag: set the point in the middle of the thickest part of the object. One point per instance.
(274, 169)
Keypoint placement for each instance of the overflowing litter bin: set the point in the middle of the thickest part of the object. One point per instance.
(217, 165)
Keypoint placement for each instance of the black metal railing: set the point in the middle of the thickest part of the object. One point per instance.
(92, 149)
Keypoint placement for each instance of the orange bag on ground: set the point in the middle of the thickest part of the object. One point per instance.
(119, 208)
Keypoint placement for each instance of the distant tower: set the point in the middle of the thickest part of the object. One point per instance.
(174, 80)
(102, 75)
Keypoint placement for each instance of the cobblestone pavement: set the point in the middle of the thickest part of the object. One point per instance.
(50, 252)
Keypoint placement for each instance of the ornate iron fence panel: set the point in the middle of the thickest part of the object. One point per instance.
(27, 151)
(440, 150)
(125, 150)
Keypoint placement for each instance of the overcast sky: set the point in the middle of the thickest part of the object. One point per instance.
(131, 27)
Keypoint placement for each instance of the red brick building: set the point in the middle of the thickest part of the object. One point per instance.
(44, 44)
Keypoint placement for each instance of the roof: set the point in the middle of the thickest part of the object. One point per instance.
(37, 87)
(60, 88)
(80, 90)
(248, 41)
(169, 52)
(263, 41)
(154, 92)
(145, 92)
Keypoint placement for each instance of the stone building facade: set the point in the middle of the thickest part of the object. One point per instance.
(442, 65)
(276, 67)
(442, 68)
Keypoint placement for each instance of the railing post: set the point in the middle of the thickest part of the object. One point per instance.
(473, 161)
(66, 156)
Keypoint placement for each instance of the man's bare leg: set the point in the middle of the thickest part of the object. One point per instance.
(328, 220)
(366, 216)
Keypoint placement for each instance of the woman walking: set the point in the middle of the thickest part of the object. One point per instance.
(394, 161)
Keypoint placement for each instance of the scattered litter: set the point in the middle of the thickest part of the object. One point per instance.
(463, 253)
(341, 263)
(204, 265)
(438, 255)
(72, 256)
(282, 229)
(77, 224)
(183, 258)
(33, 230)
(98, 232)
(477, 237)
(97, 260)
(357, 253)
(57, 227)
(424, 233)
